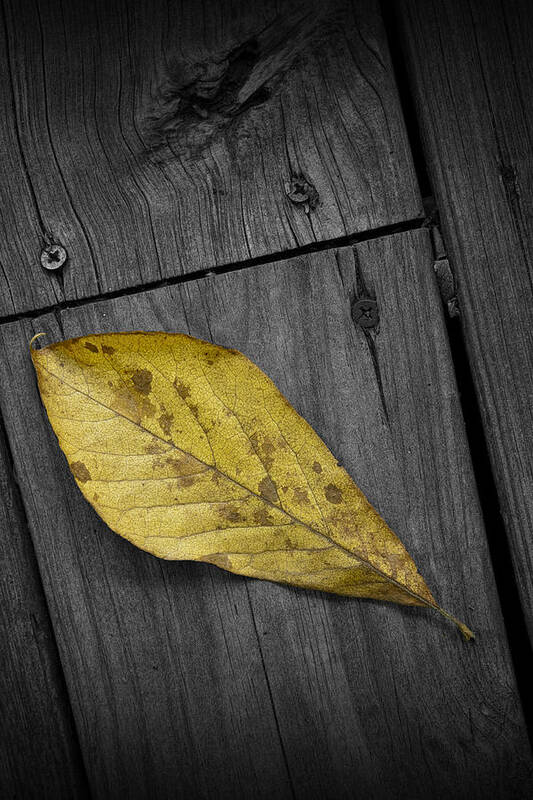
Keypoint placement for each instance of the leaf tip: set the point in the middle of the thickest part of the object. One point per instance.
(465, 630)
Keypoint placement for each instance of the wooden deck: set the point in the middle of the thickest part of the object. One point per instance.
(246, 177)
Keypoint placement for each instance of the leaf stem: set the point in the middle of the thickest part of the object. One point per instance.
(37, 335)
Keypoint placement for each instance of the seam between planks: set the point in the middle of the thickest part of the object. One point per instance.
(499, 547)
(271, 258)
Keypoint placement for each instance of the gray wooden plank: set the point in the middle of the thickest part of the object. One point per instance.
(183, 674)
(471, 72)
(162, 666)
(155, 139)
(39, 753)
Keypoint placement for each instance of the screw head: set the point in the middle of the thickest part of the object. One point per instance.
(301, 191)
(365, 312)
(53, 257)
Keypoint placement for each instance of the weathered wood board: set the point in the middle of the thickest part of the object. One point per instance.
(186, 680)
(155, 139)
(472, 75)
(39, 751)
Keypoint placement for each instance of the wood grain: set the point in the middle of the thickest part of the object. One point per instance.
(155, 139)
(39, 753)
(185, 679)
(471, 72)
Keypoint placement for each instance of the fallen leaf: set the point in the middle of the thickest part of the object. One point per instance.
(190, 452)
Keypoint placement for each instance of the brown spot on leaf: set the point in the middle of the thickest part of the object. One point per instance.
(289, 544)
(394, 563)
(92, 347)
(268, 447)
(317, 467)
(154, 449)
(147, 408)
(261, 516)
(264, 449)
(142, 380)
(301, 496)
(188, 480)
(267, 489)
(176, 463)
(182, 389)
(267, 450)
(165, 421)
(107, 349)
(230, 514)
(333, 493)
(80, 471)
(124, 403)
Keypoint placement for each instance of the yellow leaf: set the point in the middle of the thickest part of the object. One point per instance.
(190, 452)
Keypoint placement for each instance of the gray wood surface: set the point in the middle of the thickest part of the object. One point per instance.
(39, 752)
(155, 139)
(472, 75)
(186, 680)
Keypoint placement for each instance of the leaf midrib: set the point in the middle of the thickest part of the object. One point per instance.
(242, 486)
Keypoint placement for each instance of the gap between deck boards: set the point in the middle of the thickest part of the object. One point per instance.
(315, 247)
(499, 546)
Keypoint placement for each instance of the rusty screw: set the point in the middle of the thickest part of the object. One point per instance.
(53, 256)
(365, 312)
